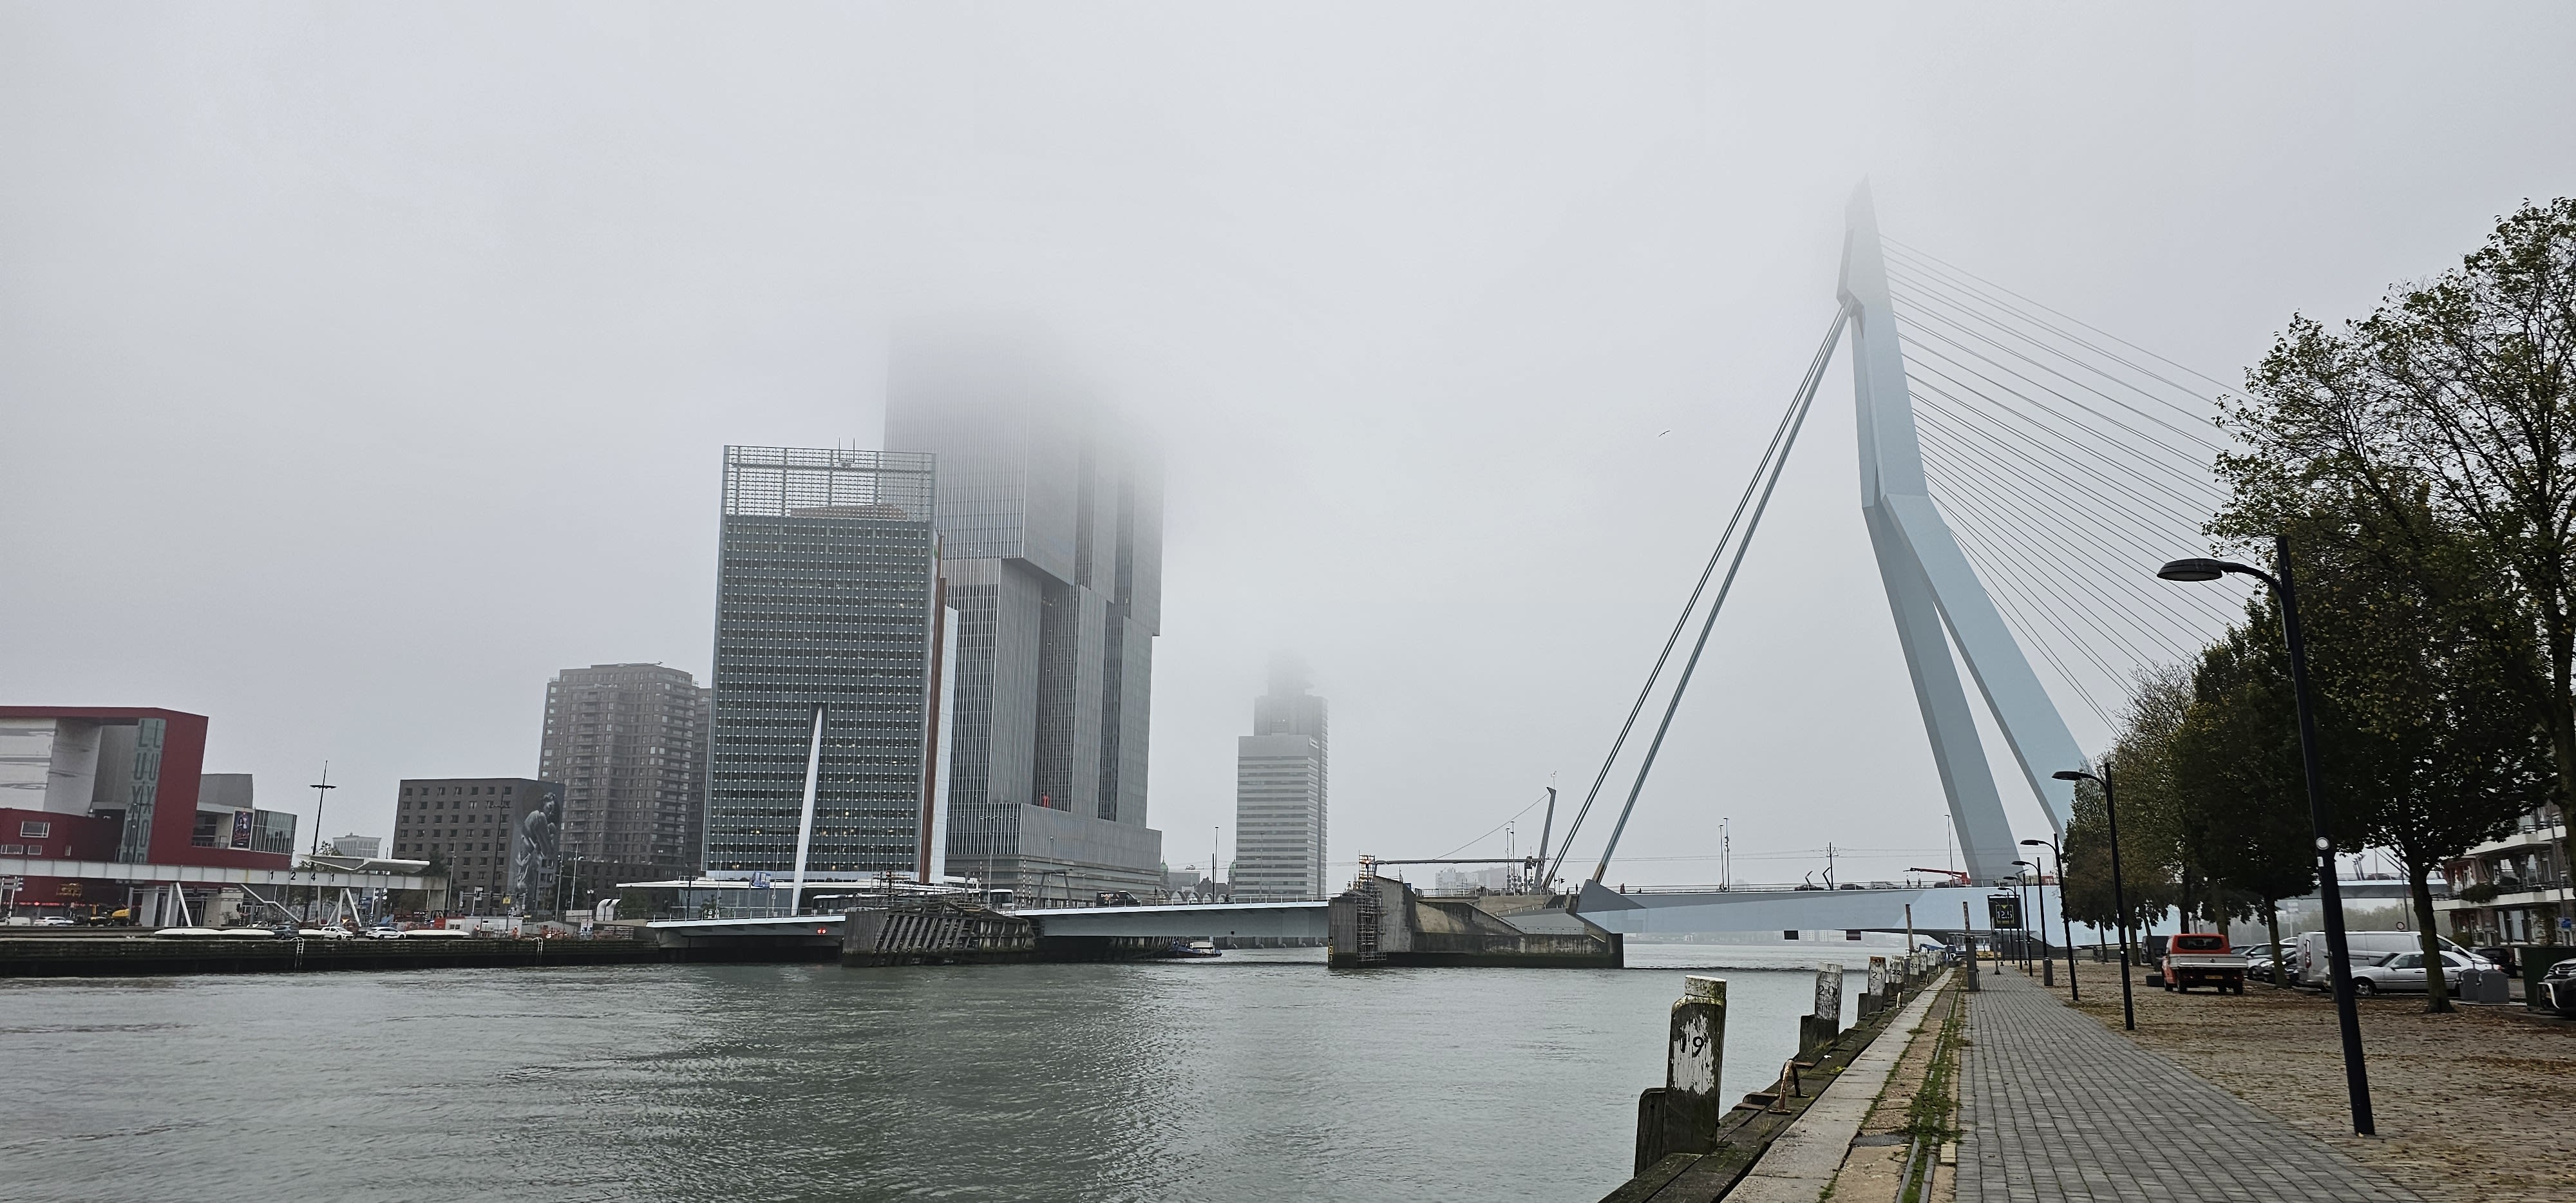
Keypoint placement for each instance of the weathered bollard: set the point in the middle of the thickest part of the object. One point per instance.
(1874, 999)
(1681, 1116)
(1691, 1106)
(1819, 1028)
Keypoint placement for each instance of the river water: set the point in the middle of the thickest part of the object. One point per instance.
(1258, 1076)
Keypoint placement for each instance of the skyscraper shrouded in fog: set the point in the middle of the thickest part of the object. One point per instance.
(1050, 518)
(628, 744)
(825, 618)
(1280, 791)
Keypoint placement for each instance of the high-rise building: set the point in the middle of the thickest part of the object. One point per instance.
(825, 613)
(1280, 791)
(627, 742)
(500, 839)
(1050, 520)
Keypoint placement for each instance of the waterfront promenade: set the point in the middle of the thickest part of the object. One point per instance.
(2057, 1106)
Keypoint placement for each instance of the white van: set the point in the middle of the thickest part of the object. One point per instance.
(2366, 946)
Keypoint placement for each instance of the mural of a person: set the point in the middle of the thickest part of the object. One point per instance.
(533, 853)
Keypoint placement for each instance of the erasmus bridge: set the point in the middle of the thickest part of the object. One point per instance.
(2021, 474)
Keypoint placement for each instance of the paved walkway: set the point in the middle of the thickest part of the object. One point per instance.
(2057, 1106)
(1801, 1162)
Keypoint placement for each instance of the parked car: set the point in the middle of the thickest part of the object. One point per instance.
(2557, 988)
(2501, 955)
(2404, 972)
(2365, 946)
(2262, 966)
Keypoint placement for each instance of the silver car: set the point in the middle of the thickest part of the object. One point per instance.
(2403, 972)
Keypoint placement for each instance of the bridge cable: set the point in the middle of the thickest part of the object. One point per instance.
(1945, 303)
(2043, 534)
(1945, 268)
(1937, 333)
(1806, 398)
(1815, 370)
(2141, 548)
(2149, 541)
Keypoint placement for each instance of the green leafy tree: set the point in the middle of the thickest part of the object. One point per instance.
(2449, 416)
(2237, 770)
(2429, 713)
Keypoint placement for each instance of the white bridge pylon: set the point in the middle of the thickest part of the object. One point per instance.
(1934, 592)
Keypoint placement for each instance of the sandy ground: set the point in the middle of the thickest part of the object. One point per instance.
(2475, 1105)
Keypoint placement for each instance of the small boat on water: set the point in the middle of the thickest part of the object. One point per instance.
(1194, 949)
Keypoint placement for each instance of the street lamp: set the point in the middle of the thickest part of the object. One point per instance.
(2067, 924)
(2329, 892)
(2021, 911)
(2119, 895)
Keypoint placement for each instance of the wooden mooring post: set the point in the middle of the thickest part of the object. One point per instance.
(1681, 1115)
(1819, 1028)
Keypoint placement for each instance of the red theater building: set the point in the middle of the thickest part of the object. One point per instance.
(122, 785)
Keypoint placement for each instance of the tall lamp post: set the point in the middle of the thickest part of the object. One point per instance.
(2021, 912)
(2064, 922)
(2119, 895)
(2329, 891)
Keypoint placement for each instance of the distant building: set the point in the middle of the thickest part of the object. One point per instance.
(628, 743)
(499, 839)
(825, 612)
(360, 847)
(1051, 527)
(123, 785)
(1280, 791)
(2516, 888)
(1454, 881)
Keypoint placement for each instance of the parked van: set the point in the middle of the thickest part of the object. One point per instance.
(2366, 946)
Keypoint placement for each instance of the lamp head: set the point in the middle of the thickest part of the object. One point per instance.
(2021, 862)
(2034, 843)
(2073, 775)
(2198, 569)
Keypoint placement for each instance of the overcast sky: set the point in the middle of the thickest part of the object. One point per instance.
(361, 366)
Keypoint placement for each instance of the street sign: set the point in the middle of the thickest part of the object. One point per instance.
(2003, 911)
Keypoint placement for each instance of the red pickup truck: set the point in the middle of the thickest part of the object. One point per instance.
(2202, 959)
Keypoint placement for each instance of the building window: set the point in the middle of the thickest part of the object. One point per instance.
(34, 831)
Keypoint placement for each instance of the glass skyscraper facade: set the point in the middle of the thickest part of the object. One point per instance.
(824, 602)
(1051, 519)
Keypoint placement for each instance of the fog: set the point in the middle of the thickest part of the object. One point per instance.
(362, 366)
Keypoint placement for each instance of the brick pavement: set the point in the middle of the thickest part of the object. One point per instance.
(2056, 1106)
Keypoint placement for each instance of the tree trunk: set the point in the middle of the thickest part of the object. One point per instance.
(2272, 919)
(2437, 994)
(2562, 745)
